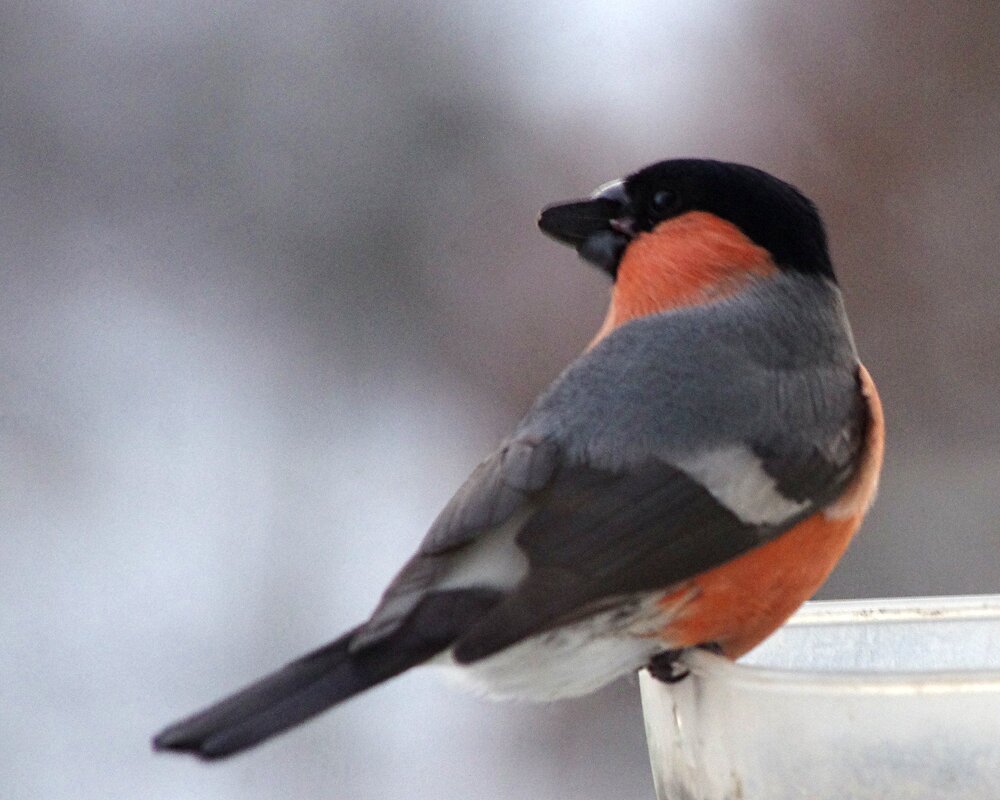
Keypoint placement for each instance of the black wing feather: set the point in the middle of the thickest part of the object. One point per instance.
(600, 534)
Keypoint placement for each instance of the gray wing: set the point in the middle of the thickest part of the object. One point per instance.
(678, 443)
(487, 509)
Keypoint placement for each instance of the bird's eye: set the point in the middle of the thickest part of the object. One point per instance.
(664, 201)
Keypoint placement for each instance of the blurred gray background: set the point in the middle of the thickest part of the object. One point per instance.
(271, 286)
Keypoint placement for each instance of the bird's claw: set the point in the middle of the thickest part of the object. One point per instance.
(666, 666)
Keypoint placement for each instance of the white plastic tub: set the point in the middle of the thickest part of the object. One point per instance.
(851, 700)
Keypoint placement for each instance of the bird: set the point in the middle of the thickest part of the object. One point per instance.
(689, 480)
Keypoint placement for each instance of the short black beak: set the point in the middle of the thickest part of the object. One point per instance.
(599, 228)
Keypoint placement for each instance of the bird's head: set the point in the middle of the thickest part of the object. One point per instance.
(687, 231)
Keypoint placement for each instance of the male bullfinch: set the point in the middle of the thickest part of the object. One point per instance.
(689, 480)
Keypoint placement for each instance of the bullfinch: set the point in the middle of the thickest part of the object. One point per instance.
(688, 481)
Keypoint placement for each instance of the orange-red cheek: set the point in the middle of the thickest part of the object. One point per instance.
(688, 260)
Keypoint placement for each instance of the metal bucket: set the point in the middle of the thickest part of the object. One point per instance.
(850, 700)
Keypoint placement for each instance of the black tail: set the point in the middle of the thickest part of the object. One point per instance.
(324, 678)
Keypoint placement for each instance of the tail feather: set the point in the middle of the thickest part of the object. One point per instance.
(325, 677)
(291, 695)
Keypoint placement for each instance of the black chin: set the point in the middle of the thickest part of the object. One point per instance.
(604, 250)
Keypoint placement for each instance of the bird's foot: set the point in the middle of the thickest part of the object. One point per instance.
(666, 666)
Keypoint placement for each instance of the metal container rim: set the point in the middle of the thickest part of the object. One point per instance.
(710, 667)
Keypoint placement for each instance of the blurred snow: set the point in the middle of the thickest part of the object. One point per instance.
(270, 287)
